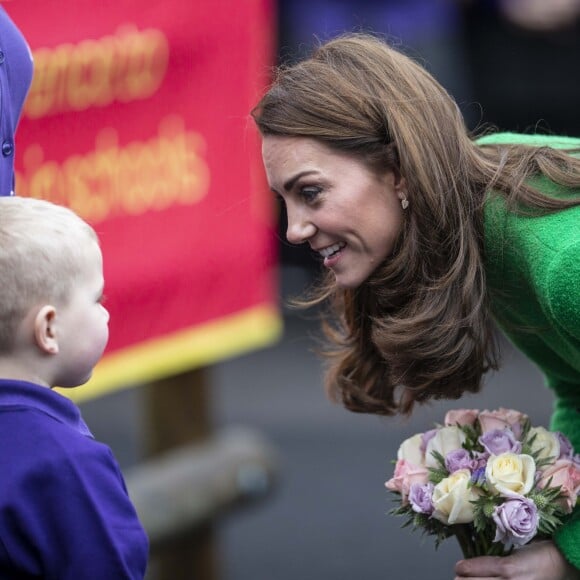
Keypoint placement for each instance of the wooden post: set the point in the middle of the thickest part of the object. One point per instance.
(178, 413)
(185, 488)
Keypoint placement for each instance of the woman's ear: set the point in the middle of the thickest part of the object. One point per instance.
(400, 187)
(400, 184)
(45, 330)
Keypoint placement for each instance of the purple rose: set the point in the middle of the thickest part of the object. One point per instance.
(498, 441)
(516, 520)
(420, 498)
(566, 449)
(458, 459)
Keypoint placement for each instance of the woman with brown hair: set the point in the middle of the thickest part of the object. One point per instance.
(428, 236)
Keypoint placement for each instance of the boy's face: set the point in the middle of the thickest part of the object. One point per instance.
(82, 323)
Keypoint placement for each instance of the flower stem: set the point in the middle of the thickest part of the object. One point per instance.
(474, 545)
(463, 535)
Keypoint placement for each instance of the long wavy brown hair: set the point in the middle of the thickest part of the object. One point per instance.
(420, 327)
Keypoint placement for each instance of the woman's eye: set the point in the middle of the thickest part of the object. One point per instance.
(310, 193)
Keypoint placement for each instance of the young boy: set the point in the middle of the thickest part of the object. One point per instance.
(64, 509)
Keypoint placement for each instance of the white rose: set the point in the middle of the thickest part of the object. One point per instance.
(545, 444)
(445, 440)
(508, 474)
(451, 498)
(410, 450)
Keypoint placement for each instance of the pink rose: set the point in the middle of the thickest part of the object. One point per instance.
(461, 417)
(502, 419)
(564, 473)
(406, 474)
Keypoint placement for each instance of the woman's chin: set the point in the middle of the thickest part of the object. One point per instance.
(346, 283)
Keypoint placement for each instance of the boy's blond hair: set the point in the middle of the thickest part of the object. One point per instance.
(41, 256)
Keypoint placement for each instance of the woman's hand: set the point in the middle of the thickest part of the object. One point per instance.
(537, 561)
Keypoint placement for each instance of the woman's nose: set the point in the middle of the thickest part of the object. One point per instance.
(300, 228)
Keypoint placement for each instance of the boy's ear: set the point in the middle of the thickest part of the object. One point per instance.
(45, 329)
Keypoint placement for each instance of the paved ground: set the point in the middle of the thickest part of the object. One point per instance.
(327, 519)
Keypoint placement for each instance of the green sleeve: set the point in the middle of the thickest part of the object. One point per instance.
(563, 291)
(567, 538)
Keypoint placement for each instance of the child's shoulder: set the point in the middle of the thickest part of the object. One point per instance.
(31, 436)
(40, 426)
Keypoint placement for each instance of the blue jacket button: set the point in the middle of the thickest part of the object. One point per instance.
(7, 148)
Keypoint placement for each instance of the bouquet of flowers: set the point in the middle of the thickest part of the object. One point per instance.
(489, 478)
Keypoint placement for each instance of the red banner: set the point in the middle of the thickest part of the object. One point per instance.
(138, 119)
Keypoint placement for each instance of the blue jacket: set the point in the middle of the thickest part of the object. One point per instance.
(15, 78)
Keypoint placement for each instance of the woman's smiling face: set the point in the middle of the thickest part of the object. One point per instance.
(348, 213)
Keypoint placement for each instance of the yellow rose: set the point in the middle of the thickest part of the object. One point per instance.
(452, 497)
(446, 439)
(545, 444)
(410, 450)
(508, 474)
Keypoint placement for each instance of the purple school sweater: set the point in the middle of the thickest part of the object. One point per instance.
(64, 509)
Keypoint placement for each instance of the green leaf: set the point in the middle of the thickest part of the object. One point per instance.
(471, 442)
(437, 475)
(440, 461)
(526, 426)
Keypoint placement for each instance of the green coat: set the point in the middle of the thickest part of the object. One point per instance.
(533, 275)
